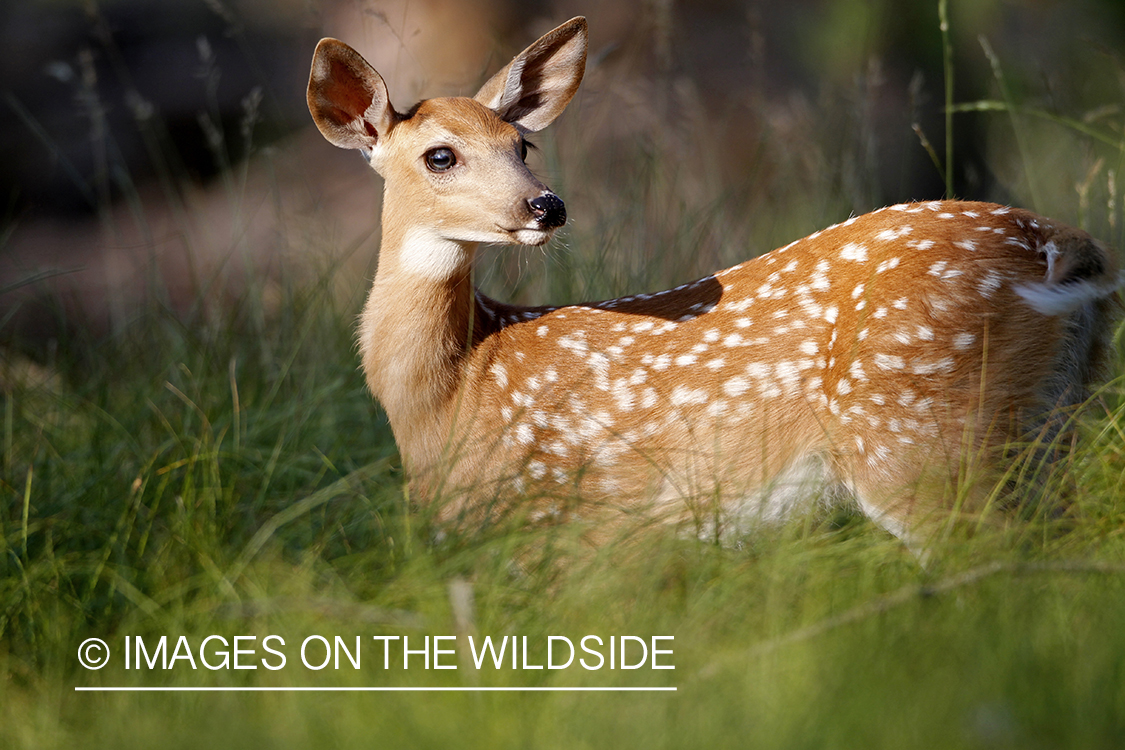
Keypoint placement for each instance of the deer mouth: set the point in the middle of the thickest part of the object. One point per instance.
(529, 235)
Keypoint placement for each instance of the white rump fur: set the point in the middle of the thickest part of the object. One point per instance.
(1063, 299)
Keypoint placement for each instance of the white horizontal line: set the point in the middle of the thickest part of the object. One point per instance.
(309, 689)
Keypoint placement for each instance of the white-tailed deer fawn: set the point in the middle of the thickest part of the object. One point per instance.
(898, 357)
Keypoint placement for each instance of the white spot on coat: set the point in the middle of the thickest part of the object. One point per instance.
(963, 340)
(736, 386)
(684, 396)
(889, 362)
(854, 251)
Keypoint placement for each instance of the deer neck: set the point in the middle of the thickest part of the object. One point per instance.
(414, 335)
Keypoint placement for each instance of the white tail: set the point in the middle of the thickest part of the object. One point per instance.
(897, 356)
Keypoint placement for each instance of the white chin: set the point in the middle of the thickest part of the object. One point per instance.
(532, 236)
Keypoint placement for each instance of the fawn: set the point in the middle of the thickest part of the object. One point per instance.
(899, 358)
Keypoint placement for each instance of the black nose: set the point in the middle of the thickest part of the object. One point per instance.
(549, 210)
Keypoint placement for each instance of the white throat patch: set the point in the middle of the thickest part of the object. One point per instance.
(430, 256)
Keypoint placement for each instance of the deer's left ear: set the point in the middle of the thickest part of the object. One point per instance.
(535, 87)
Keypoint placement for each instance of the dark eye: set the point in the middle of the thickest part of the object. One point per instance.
(440, 159)
(523, 150)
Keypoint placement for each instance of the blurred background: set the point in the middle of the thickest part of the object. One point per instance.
(159, 156)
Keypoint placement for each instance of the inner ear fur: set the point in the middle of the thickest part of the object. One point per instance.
(347, 97)
(535, 87)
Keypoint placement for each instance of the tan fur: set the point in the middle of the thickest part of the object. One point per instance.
(894, 357)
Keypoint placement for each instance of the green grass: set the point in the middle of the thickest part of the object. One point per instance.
(230, 476)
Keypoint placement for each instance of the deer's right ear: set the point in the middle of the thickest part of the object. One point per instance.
(347, 97)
